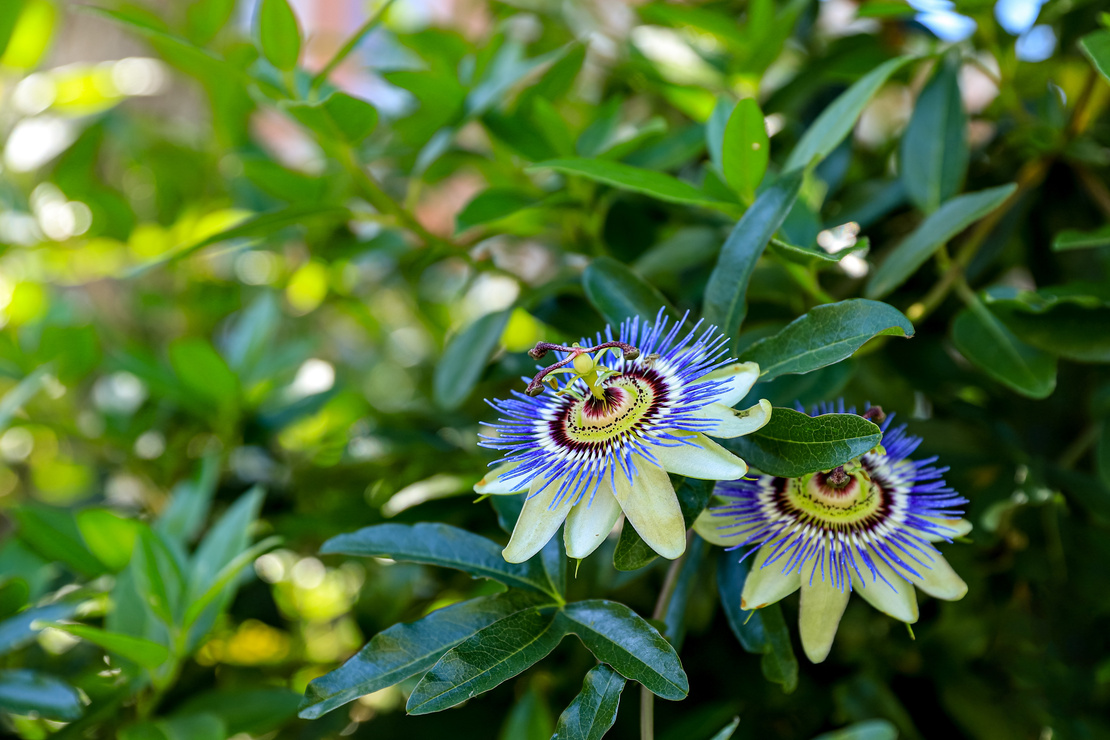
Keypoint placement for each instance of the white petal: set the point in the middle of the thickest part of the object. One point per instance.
(954, 528)
(537, 523)
(651, 506)
(589, 522)
(736, 423)
(819, 612)
(708, 528)
(704, 459)
(739, 377)
(494, 481)
(766, 585)
(897, 600)
(939, 580)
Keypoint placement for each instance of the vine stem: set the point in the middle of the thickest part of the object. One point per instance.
(647, 699)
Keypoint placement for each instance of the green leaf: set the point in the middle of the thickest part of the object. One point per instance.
(223, 579)
(1102, 455)
(793, 444)
(109, 536)
(53, 534)
(726, 732)
(620, 637)
(631, 552)
(465, 358)
(205, 18)
(827, 334)
(837, 120)
(989, 345)
(590, 715)
(203, 726)
(339, 116)
(23, 392)
(157, 576)
(442, 545)
(9, 15)
(190, 500)
(779, 665)
(144, 652)
(204, 372)
(626, 177)
(14, 594)
(872, 729)
(405, 650)
(815, 257)
(618, 293)
(934, 145)
(491, 205)
(529, 719)
(278, 34)
(946, 222)
(726, 293)
(31, 692)
(1072, 321)
(1071, 239)
(16, 631)
(1096, 46)
(488, 658)
(746, 148)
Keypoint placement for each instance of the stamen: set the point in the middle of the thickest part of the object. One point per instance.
(837, 478)
(583, 367)
(874, 414)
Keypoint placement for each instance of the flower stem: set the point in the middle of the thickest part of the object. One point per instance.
(647, 699)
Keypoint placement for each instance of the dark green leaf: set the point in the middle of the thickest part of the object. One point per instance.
(814, 256)
(1097, 48)
(778, 664)
(222, 582)
(727, 730)
(466, 357)
(201, 726)
(590, 715)
(626, 177)
(631, 552)
(278, 33)
(157, 576)
(553, 557)
(406, 650)
(746, 148)
(989, 345)
(144, 652)
(443, 545)
(1102, 455)
(491, 205)
(674, 618)
(190, 500)
(204, 372)
(618, 293)
(529, 719)
(726, 294)
(1075, 327)
(31, 692)
(14, 593)
(53, 534)
(747, 625)
(793, 444)
(618, 636)
(934, 146)
(837, 120)
(254, 711)
(490, 657)
(827, 334)
(1070, 239)
(946, 222)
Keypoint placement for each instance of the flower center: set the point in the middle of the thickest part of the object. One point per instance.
(626, 400)
(831, 501)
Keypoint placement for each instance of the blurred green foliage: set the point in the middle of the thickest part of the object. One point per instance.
(255, 282)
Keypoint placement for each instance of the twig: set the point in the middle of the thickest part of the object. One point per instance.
(647, 699)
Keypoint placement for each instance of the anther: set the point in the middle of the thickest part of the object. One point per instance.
(574, 354)
(837, 478)
(874, 414)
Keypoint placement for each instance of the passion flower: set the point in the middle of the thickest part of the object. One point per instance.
(868, 526)
(619, 416)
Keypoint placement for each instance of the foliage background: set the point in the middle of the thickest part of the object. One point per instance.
(228, 315)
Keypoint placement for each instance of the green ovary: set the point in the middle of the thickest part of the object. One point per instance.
(853, 504)
(587, 421)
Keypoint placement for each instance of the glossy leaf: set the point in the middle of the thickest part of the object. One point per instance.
(278, 33)
(725, 302)
(1096, 46)
(746, 148)
(839, 118)
(144, 652)
(407, 649)
(793, 444)
(934, 147)
(986, 342)
(32, 692)
(827, 334)
(20, 629)
(946, 222)
(872, 729)
(590, 715)
(1071, 239)
(779, 664)
(626, 177)
(442, 545)
(465, 359)
(618, 636)
(490, 657)
(618, 293)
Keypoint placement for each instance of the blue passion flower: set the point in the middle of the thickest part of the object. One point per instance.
(867, 526)
(619, 415)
